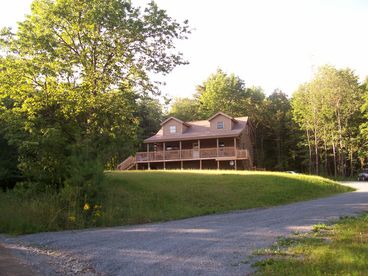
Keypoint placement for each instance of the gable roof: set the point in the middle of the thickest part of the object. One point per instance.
(223, 114)
(201, 130)
(176, 119)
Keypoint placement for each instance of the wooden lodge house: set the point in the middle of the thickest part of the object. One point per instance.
(221, 142)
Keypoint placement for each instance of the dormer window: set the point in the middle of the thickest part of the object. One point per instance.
(220, 125)
(172, 129)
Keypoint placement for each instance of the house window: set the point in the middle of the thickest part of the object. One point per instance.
(172, 129)
(220, 125)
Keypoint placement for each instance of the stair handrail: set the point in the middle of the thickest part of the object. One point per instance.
(126, 163)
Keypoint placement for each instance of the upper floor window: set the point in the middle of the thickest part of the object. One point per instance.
(172, 129)
(220, 125)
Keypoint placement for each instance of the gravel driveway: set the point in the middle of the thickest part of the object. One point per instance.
(208, 245)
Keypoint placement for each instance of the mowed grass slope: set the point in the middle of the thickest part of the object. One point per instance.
(165, 195)
(146, 196)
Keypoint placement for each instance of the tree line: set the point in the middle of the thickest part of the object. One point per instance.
(321, 129)
(276, 135)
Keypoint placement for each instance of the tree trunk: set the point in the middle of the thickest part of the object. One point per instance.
(326, 157)
(278, 147)
(351, 162)
(341, 145)
(256, 150)
(262, 149)
(334, 158)
(316, 152)
(309, 153)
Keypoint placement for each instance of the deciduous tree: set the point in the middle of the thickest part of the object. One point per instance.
(328, 109)
(70, 78)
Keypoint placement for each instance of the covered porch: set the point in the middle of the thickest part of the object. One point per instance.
(196, 154)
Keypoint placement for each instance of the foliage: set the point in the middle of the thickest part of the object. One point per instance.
(72, 76)
(363, 128)
(226, 93)
(274, 134)
(150, 113)
(280, 133)
(327, 109)
(320, 130)
(140, 197)
(82, 186)
(9, 172)
(339, 249)
(186, 109)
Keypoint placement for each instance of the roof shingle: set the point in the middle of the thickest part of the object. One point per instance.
(200, 130)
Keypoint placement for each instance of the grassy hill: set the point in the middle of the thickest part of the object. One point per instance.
(165, 195)
(145, 196)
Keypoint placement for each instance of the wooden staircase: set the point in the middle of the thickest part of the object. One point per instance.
(127, 164)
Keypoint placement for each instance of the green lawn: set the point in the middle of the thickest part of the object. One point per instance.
(146, 196)
(339, 249)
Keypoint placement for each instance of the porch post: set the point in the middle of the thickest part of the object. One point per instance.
(199, 148)
(181, 164)
(164, 149)
(235, 153)
(200, 164)
(136, 166)
(235, 165)
(217, 147)
(180, 150)
(218, 165)
(148, 159)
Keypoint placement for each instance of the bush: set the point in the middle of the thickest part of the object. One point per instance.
(40, 207)
(82, 193)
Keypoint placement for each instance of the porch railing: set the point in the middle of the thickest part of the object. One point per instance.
(186, 154)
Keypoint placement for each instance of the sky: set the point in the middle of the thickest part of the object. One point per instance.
(271, 44)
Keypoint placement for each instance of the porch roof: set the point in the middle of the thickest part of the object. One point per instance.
(200, 130)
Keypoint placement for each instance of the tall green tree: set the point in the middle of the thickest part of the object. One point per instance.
(270, 116)
(186, 109)
(363, 128)
(303, 116)
(69, 79)
(150, 113)
(280, 132)
(222, 92)
(328, 109)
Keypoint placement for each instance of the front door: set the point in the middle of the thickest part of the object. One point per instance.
(221, 148)
(195, 150)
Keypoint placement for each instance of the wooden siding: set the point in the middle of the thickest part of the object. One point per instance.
(180, 128)
(228, 124)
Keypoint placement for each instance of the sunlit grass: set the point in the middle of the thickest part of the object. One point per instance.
(132, 197)
(163, 195)
(340, 249)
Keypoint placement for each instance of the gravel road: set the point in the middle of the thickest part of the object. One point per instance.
(208, 245)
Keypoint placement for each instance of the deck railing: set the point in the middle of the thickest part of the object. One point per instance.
(186, 154)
